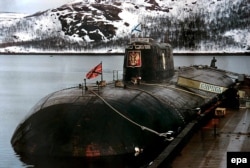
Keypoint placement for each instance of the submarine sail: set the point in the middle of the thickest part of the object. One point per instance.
(148, 60)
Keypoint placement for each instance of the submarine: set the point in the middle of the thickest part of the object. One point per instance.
(128, 120)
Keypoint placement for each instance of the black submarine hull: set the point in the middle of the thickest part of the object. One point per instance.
(78, 123)
(84, 126)
(133, 120)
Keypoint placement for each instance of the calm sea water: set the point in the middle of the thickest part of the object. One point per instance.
(24, 80)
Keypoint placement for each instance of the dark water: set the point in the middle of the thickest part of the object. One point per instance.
(26, 79)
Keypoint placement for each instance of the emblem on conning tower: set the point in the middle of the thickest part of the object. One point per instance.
(134, 59)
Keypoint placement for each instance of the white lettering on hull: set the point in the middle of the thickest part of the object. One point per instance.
(211, 88)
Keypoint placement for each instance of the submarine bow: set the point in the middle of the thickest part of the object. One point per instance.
(67, 123)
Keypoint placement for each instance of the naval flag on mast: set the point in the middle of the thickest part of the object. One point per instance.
(137, 28)
(97, 70)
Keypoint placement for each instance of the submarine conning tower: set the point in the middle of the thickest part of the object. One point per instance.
(147, 60)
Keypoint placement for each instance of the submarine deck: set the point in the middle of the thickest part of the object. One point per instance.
(209, 149)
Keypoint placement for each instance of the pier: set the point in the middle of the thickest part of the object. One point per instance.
(206, 145)
(206, 149)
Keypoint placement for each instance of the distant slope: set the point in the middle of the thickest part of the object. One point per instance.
(189, 25)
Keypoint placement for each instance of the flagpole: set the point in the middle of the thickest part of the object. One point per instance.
(101, 74)
(85, 85)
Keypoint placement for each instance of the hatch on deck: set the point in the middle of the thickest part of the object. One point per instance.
(220, 112)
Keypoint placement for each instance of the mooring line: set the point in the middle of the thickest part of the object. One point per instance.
(128, 119)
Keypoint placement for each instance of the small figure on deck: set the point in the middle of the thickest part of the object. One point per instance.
(213, 61)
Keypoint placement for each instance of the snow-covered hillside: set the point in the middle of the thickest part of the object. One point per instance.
(106, 26)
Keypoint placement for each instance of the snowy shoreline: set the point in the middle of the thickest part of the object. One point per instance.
(178, 53)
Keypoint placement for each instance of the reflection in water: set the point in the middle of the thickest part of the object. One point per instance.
(110, 162)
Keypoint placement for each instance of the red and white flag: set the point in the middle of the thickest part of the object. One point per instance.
(97, 70)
